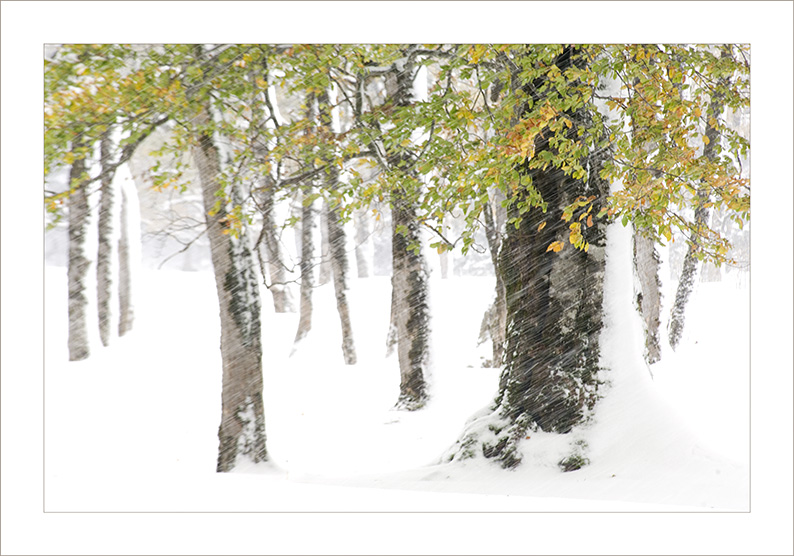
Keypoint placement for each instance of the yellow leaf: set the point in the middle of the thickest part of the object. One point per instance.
(706, 140)
(555, 246)
(542, 225)
(589, 220)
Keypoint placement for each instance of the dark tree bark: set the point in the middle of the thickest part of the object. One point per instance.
(105, 247)
(78, 262)
(242, 429)
(554, 313)
(126, 314)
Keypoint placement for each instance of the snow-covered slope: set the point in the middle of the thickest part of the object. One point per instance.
(147, 409)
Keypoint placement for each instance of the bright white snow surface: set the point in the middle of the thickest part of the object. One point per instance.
(134, 428)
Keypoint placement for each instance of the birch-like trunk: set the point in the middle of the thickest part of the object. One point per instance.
(78, 262)
(105, 245)
(242, 429)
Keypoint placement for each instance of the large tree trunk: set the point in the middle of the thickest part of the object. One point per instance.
(78, 262)
(554, 315)
(126, 316)
(105, 247)
(690, 269)
(242, 429)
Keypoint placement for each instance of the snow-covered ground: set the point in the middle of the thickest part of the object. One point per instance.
(134, 428)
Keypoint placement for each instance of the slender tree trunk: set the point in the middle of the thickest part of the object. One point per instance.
(391, 335)
(410, 305)
(78, 262)
(410, 309)
(242, 429)
(649, 295)
(306, 267)
(126, 315)
(363, 243)
(307, 246)
(690, 268)
(282, 299)
(338, 254)
(105, 247)
(337, 241)
(647, 288)
(495, 319)
(325, 247)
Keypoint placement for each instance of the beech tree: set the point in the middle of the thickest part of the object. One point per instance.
(565, 138)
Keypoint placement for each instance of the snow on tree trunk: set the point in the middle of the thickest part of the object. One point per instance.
(648, 292)
(554, 316)
(78, 262)
(242, 429)
(306, 267)
(690, 268)
(105, 246)
(126, 315)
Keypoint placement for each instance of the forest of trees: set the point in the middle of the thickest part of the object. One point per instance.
(538, 147)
